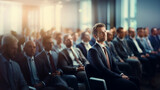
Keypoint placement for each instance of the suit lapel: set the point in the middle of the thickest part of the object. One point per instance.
(103, 55)
(66, 55)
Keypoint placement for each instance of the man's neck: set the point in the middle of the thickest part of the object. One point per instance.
(6, 56)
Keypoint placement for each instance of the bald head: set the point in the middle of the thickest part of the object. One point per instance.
(30, 48)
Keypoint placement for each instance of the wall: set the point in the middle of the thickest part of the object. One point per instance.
(148, 13)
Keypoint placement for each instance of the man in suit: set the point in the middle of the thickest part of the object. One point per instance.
(11, 77)
(138, 51)
(125, 52)
(123, 66)
(34, 71)
(72, 61)
(100, 57)
(154, 40)
(50, 58)
(84, 46)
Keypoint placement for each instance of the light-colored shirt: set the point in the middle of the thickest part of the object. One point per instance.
(33, 70)
(137, 46)
(86, 45)
(75, 63)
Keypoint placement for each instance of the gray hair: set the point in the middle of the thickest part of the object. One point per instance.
(8, 40)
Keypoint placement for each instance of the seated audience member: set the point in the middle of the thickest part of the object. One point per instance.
(123, 66)
(100, 57)
(50, 59)
(125, 52)
(34, 71)
(0, 43)
(158, 33)
(72, 61)
(11, 77)
(75, 39)
(136, 47)
(84, 46)
(114, 31)
(154, 40)
(59, 43)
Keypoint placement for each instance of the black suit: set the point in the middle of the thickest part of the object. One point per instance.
(82, 48)
(112, 77)
(66, 64)
(146, 62)
(19, 81)
(42, 71)
(123, 66)
(124, 52)
(56, 80)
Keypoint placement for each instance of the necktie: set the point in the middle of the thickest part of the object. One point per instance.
(76, 58)
(52, 63)
(106, 54)
(10, 75)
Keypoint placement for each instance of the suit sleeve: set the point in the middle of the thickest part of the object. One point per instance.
(96, 61)
(83, 59)
(22, 83)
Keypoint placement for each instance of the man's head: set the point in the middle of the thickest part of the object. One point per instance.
(120, 32)
(30, 48)
(109, 36)
(140, 32)
(85, 36)
(47, 43)
(75, 36)
(131, 32)
(9, 46)
(146, 32)
(58, 38)
(154, 31)
(68, 41)
(99, 32)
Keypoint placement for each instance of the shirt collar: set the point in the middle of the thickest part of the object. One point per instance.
(101, 45)
(28, 57)
(120, 39)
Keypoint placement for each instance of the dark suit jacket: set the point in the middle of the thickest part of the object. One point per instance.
(98, 60)
(82, 48)
(155, 44)
(113, 51)
(134, 48)
(65, 61)
(42, 56)
(42, 71)
(92, 41)
(120, 48)
(20, 83)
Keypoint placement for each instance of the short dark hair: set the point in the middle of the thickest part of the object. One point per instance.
(83, 34)
(152, 29)
(139, 28)
(119, 29)
(96, 26)
(45, 38)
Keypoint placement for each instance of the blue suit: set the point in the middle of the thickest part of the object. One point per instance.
(155, 42)
(19, 82)
(82, 48)
(112, 77)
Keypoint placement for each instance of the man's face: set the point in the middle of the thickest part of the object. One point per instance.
(75, 36)
(141, 33)
(11, 50)
(68, 41)
(49, 44)
(121, 34)
(30, 49)
(59, 39)
(155, 31)
(132, 33)
(87, 37)
(146, 33)
(101, 34)
(109, 36)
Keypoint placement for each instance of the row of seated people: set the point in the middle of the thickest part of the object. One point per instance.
(61, 69)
